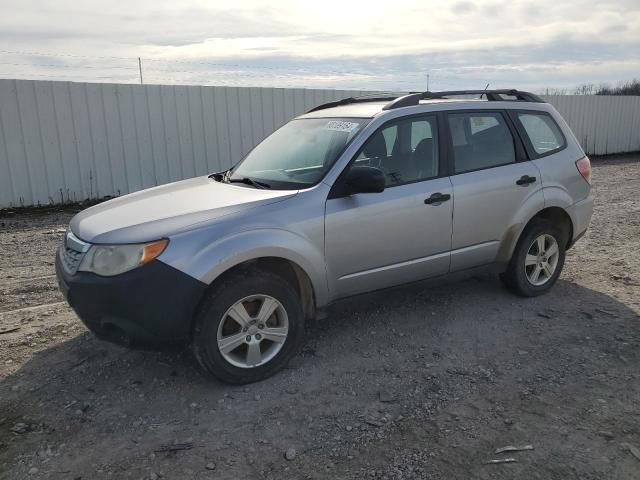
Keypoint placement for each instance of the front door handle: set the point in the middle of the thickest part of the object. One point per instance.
(437, 198)
(525, 180)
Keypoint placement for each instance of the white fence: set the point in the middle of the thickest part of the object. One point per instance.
(603, 124)
(63, 141)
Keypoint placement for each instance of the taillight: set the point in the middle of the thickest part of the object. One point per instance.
(584, 167)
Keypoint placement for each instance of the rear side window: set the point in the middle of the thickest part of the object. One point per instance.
(543, 132)
(480, 140)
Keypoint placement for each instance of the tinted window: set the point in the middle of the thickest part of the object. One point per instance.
(544, 134)
(406, 150)
(390, 137)
(420, 129)
(480, 140)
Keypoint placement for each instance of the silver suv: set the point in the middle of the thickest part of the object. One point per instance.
(353, 196)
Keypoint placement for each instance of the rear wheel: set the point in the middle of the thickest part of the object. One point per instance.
(537, 260)
(248, 327)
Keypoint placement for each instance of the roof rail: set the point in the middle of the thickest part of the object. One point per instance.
(492, 95)
(376, 97)
(413, 98)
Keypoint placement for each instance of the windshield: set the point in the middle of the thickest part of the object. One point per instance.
(297, 155)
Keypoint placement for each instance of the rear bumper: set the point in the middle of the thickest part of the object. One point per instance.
(151, 307)
(580, 213)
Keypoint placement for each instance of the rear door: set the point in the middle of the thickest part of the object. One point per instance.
(494, 185)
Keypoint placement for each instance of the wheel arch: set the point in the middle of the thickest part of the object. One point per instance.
(557, 215)
(288, 270)
(206, 261)
(265, 274)
(278, 251)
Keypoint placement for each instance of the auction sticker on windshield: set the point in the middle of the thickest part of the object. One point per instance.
(341, 126)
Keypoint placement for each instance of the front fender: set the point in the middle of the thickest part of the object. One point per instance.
(209, 262)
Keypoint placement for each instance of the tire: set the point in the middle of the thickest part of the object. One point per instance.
(521, 270)
(216, 323)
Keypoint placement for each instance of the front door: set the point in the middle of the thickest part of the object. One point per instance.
(376, 240)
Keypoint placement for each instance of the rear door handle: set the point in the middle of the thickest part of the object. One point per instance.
(525, 180)
(437, 198)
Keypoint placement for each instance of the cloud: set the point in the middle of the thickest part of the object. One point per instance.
(333, 44)
(463, 7)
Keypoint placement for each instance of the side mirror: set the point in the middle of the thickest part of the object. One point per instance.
(363, 179)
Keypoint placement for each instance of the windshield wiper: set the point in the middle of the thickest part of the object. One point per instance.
(249, 181)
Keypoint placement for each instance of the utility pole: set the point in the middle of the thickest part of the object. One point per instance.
(427, 82)
(140, 68)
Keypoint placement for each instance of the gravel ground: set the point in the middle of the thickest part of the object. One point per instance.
(419, 382)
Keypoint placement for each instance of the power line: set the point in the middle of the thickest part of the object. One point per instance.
(255, 76)
(53, 77)
(42, 54)
(151, 59)
(367, 77)
(246, 70)
(52, 65)
(194, 62)
(461, 77)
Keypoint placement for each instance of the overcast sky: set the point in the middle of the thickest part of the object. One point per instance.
(384, 45)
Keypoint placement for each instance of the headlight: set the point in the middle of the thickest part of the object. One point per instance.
(109, 260)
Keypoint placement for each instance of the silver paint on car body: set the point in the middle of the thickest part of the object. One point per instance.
(372, 241)
(487, 203)
(352, 244)
(165, 210)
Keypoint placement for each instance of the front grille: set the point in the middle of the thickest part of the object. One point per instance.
(70, 259)
(72, 251)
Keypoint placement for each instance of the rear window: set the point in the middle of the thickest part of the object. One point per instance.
(543, 132)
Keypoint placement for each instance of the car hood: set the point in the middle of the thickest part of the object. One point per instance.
(161, 211)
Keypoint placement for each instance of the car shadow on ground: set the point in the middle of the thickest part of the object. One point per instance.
(86, 359)
(397, 339)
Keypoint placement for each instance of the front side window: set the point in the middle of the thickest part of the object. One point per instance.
(480, 140)
(406, 150)
(299, 154)
(544, 134)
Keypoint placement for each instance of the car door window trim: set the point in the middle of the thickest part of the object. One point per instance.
(522, 132)
(519, 150)
(337, 190)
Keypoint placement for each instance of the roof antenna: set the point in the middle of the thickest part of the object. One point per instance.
(482, 95)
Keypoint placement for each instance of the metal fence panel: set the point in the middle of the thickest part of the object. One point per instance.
(64, 141)
(603, 124)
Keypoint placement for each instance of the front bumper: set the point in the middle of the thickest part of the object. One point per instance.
(151, 307)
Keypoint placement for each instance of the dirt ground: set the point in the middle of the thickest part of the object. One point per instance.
(420, 382)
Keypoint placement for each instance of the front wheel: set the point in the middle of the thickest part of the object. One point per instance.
(249, 326)
(537, 260)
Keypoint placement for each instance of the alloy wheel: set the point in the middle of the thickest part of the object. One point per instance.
(542, 259)
(252, 331)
